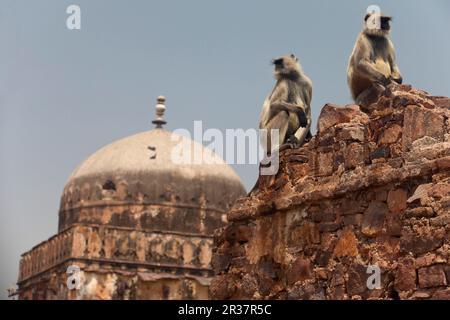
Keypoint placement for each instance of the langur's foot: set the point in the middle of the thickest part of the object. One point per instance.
(286, 146)
(293, 140)
(292, 143)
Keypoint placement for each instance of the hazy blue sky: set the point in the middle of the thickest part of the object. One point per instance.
(64, 94)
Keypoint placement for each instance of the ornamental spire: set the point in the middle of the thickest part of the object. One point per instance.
(160, 109)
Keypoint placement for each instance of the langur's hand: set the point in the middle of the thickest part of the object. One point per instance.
(301, 114)
(398, 80)
(385, 81)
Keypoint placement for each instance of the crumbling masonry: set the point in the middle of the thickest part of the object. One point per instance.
(370, 189)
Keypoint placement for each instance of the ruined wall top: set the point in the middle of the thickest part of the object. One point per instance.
(405, 134)
(369, 195)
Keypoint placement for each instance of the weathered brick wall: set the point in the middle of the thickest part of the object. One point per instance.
(118, 263)
(370, 189)
(103, 281)
(128, 206)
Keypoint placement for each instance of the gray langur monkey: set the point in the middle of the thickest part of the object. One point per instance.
(287, 108)
(372, 64)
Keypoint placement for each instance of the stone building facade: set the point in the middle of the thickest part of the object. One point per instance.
(135, 223)
(369, 195)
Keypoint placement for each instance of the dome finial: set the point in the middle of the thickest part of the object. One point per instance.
(160, 108)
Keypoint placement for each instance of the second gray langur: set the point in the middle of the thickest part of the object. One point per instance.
(372, 65)
(287, 108)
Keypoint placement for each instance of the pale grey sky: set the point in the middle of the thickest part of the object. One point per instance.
(64, 94)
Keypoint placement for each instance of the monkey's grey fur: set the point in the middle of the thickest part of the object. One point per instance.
(287, 108)
(372, 64)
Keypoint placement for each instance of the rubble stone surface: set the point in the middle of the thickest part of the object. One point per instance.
(370, 190)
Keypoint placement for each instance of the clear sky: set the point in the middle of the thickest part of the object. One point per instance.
(64, 94)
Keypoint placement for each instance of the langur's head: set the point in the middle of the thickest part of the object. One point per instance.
(377, 25)
(287, 67)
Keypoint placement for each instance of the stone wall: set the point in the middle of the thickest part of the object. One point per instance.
(196, 217)
(118, 263)
(371, 189)
(103, 281)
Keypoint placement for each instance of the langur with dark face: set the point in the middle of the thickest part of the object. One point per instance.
(287, 109)
(372, 65)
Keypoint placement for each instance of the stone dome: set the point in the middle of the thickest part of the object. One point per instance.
(155, 180)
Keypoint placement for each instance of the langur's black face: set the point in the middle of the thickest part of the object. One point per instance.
(372, 28)
(278, 62)
(385, 23)
(287, 66)
(288, 61)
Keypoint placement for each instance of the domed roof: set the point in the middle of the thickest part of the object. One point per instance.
(156, 167)
(153, 152)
